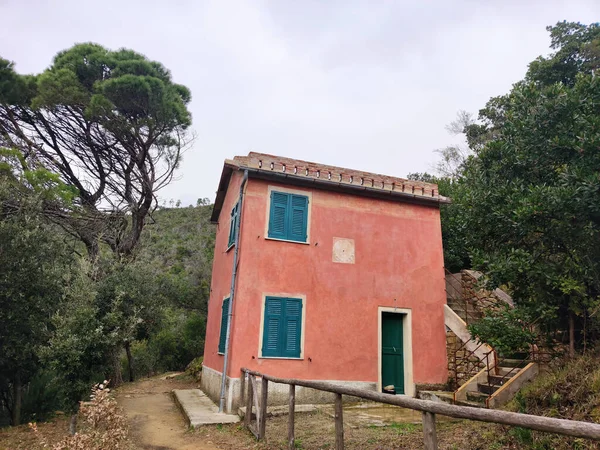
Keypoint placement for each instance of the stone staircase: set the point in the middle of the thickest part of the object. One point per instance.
(465, 310)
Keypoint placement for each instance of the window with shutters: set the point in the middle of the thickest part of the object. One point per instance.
(282, 328)
(233, 223)
(224, 322)
(288, 217)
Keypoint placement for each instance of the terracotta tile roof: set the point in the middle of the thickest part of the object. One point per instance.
(338, 175)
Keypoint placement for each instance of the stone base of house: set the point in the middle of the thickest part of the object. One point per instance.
(278, 393)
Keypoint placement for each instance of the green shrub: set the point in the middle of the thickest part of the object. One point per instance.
(42, 397)
(167, 348)
(505, 331)
(180, 339)
(195, 367)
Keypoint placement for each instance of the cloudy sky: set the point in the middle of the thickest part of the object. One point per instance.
(366, 85)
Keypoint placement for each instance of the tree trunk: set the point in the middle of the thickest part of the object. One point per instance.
(17, 399)
(129, 360)
(571, 334)
(116, 379)
(73, 424)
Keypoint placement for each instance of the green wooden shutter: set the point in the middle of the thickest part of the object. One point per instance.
(298, 218)
(272, 326)
(288, 216)
(282, 327)
(278, 215)
(224, 321)
(235, 214)
(292, 328)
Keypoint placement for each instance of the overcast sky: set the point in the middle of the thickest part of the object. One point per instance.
(367, 85)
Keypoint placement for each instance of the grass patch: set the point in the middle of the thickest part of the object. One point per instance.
(403, 428)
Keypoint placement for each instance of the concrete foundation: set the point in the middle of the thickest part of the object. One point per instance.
(199, 410)
(278, 393)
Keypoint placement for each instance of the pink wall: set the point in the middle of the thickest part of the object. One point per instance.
(398, 256)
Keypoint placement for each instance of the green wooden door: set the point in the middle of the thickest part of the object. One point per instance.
(392, 352)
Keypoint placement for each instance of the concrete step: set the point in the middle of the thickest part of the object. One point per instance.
(199, 410)
(437, 396)
(476, 396)
(488, 389)
(471, 404)
(507, 362)
(510, 371)
(499, 380)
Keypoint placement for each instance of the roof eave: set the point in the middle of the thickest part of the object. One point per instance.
(345, 187)
(228, 169)
(230, 166)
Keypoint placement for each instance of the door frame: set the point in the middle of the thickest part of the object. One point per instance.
(409, 386)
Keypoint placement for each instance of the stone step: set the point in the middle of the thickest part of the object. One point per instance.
(199, 410)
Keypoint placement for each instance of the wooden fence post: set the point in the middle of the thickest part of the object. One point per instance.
(339, 423)
(262, 425)
(291, 443)
(429, 433)
(249, 397)
(243, 388)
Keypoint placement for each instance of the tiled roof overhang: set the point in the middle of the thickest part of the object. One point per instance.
(304, 174)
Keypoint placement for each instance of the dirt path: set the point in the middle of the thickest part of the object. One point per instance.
(156, 422)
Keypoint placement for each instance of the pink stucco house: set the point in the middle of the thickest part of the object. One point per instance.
(338, 276)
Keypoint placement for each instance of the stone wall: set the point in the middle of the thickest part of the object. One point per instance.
(482, 299)
(461, 367)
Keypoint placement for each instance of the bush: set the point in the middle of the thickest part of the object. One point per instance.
(42, 397)
(166, 346)
(179, 341)
(506, 331)
(195, 367)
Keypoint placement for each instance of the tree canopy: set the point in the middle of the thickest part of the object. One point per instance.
(526, 203)
(111, 124)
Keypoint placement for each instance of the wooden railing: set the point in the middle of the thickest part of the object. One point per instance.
(428, 408)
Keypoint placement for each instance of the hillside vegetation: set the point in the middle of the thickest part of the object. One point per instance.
(176, 247)
(179, 243)
(154, 302)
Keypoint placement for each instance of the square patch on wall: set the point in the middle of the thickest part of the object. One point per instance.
(343, 250)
